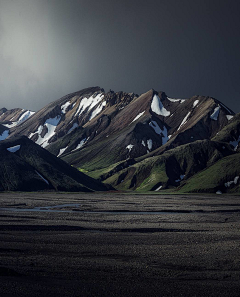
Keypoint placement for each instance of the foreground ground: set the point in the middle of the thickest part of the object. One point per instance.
(112, 244)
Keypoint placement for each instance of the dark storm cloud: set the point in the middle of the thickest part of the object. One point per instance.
(51, 48)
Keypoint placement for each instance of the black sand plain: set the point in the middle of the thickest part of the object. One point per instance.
(114, 244)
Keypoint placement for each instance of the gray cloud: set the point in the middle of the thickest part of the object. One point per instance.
(51, 48)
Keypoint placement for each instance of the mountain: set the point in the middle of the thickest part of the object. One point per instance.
(230, 133)
(169, 170)
(144, 142)
(25, 166)
(13, 117)
(94, 128)
(221, 177)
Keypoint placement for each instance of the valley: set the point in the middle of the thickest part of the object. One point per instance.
(119, 244)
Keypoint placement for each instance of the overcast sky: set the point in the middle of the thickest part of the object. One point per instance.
(49, 48)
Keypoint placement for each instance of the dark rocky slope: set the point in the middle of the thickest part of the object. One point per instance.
(25, 166)
(169, 170)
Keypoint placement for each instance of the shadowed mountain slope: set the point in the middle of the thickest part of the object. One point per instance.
(168, 170)
(221, 177)
(230, 133)
(25, 166)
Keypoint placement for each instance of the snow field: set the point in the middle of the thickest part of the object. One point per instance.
(214, 115)
(158, 107)
(159, 131)
(88, 103)
(4, 135)
(14, 149)
(51, 125)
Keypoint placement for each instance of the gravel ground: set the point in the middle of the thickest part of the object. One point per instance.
(110, 244)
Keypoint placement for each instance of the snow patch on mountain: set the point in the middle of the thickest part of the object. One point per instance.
(159, 131)
(42, 177)
(181, 178)
(158, 107)
(195, 103)
(184, 120)
(228, 184)
(149, 144)
(27, 114)
(13, 124)
(4, 135)
(176, 100)
(229, 117)
(235, 143)
(62, 151)
(214, 115)
(97, 110)
(81, 144)
(74, 126)
(138, 116)
(14, 149)
(88, 103)
(22, 118)
(159, 188)
(129, 147)
(51, 125)
(65, 106)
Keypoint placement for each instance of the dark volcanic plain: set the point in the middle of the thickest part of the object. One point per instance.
(110, 244)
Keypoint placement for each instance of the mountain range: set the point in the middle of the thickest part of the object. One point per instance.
(149, 142)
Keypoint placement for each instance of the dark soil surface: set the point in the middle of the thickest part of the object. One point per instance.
(109, 244)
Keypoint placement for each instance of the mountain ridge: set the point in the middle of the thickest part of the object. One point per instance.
(93, 130)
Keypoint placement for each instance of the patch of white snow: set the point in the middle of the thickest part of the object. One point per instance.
(10, 125)
(229, 117)
(129, 147)
(235, 143)
(159, 131)
(149, 144)
(158, 107)
(228, 184)
(88, 103)
(97, 110)
(51, 125)
(82, 142)
(158, 189)
(214, 115)
(65, 106)
(62, 151)
(138, 116)
(42, 177)
(27, 114)
(181, 178)
(184, 120)
(176, 100)
(4, 135)
(14, 149)
(195, 103)
(74, 126)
